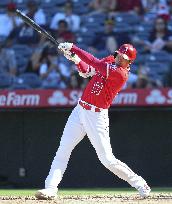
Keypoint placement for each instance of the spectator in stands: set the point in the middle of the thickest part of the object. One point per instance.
(8, 62)
(34, 62)
(101, 6)
(108, 40)
(36, 13)
(170, 6)
(25, 34)
(154, 9)
(76, 81)
(63, 33)
(8, 20)
(72, 19)
(129, 6)
(131, 80)
(159, 39)
(143, 80)
(169, 77)
(52, 72)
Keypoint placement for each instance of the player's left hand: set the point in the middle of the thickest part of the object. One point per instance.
(65, 46)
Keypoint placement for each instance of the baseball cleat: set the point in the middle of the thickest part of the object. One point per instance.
(45, 194)
(144, 190)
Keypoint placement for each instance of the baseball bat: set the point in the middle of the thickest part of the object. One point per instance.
(34, 25)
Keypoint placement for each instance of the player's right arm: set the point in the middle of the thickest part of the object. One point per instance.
(104, 68)
(83, 55)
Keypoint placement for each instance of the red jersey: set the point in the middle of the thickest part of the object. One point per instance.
(107, 81)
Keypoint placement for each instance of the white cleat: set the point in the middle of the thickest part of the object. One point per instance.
(144, 190)
(46, 194)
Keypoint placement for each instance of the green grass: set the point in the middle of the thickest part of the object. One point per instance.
(91, 191)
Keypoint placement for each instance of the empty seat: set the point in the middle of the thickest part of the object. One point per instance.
(85, 40)
(22, 50)
(5, 81)
(16, 86)
(158, 68)
(160, 56)
(3, 3)
(50, 86)
(127, 17)
(80, 9)
(30, 79)
(60, 2)
(102, 54)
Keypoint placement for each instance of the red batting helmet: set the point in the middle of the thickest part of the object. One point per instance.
(127, 51)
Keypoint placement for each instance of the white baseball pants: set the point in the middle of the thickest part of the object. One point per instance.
(96, 126)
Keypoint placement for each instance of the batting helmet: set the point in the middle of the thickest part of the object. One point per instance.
(127, 51)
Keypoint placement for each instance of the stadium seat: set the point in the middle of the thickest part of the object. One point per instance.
(159, 77)
(159, 56)
(102, 54)
(3, 3)
(82, 46)
(23, 50)
(5, 81)
(126, 17)
(30, 79)
(2, 10)
(48, 5)
(22, 53)
(142, 35)
(50, 86)
(158, 68)
(170, 25)
(85, 2)
(21, 64)
(122, 28)
(80, 9)
(2, 38)
(144, 27)
(19, 86)
(60, 2)
(140, 58)
(84, 40)
(134, 68)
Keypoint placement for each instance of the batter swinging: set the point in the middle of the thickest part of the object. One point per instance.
(90, 116)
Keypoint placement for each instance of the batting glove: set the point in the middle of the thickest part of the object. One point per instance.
(73, 57)
(65, 46)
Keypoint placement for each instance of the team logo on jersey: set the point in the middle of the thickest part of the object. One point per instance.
(112, 66)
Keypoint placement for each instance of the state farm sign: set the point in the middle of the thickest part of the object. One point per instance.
(126, 98)
(69, 98)
(157, 96)
(60, 98)
(14, 99)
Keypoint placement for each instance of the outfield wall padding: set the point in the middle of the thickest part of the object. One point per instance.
(142, 138)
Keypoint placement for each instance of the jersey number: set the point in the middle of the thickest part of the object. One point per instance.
(97, 87)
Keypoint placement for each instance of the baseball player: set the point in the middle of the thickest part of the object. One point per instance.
(90, 116)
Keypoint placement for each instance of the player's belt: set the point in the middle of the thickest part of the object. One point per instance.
(86, 106)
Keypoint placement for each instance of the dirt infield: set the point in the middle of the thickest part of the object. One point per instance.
(156, 198)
